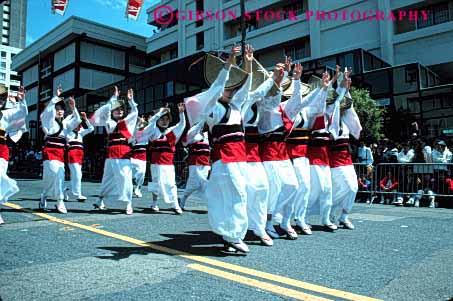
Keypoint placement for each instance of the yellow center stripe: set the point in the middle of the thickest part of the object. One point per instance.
(255, 283)
(206, 260)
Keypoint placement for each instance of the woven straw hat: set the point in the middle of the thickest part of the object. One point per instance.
(212, 67)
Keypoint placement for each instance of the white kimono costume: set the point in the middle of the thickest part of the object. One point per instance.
(54, 149)
(117, 178)
(257, 181)
(276, 121)
(199, 165)
(75, 157)
(226, 189)
(163, 147)
(344, 177)
(320, 197)
(11, 121)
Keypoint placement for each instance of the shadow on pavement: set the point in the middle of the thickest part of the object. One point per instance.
(202, 243)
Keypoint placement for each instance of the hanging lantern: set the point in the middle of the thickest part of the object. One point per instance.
(59, 6)
(133, 9)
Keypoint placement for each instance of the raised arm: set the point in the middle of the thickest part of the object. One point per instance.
(90, 128)
(131, 118)
(73, 122)
(151, 131)
(178, 129)
(15, 118)
(48, 116)
(242, 95)
(195, 133)
(102, 116)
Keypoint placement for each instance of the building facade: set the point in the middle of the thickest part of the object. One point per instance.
(81, 56)
(8, 77)
(404, 63)
(13, 14)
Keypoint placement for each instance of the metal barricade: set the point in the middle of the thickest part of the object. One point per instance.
(403, 182)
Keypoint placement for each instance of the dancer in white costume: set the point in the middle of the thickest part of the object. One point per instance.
(226, 189)
(257, 181)
(163, 148)
(56, 129)
(12, 120)
(117, 178)
(75, 157)
(199, 165)
(345, 122)
(139, 157)
(320, 198)
(276, 122)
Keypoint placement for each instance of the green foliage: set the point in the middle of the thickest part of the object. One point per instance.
(371, 116)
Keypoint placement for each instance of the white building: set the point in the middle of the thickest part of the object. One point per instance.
(8, 77)
(389, 58)
(80, 55)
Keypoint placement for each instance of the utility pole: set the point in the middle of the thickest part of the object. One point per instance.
(243, 28)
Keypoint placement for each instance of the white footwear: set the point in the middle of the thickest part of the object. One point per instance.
(239, 246)
(417, 203)
(178, 211)
(410, 201)
(270, 230)
(42, 202)
(82, 198)
(330, 227)
(290, 233)
(155, 208)
(61, 207)
(99, 205)
(1, 220)
(347, 224)
(398, 202)
(129, 209)
(137, 192)
(304, 227)
(265, 239)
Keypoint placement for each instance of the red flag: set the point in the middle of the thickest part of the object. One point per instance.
(133, 9)
(59, 6)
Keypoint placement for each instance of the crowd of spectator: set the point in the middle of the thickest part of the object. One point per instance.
(412, 173)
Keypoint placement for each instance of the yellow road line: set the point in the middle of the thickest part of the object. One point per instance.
(255, 283)
(201, 259)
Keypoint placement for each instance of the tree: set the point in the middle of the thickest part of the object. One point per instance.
(370, 115)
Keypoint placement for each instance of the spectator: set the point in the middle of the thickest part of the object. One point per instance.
(364, 155)
(422, 154)
(406, 155)
(425, 187)
(391, 153)
(364, 186)
(441, 154)
(389, 184)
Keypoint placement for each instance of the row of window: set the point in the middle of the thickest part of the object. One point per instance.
(437, 14)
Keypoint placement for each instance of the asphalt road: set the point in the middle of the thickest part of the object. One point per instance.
(394, 253)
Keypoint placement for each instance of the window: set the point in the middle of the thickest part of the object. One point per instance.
(5, 40)
(169, 89)
(200, 40)
(159, 92)
(3, 64)
(3, 54)
(174, 53)
(199, 7)
(411, 75)
(2, 76)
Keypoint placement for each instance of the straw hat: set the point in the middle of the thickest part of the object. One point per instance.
(118, 103)
(212, 67)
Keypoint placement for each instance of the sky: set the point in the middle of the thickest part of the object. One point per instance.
(40, 19)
